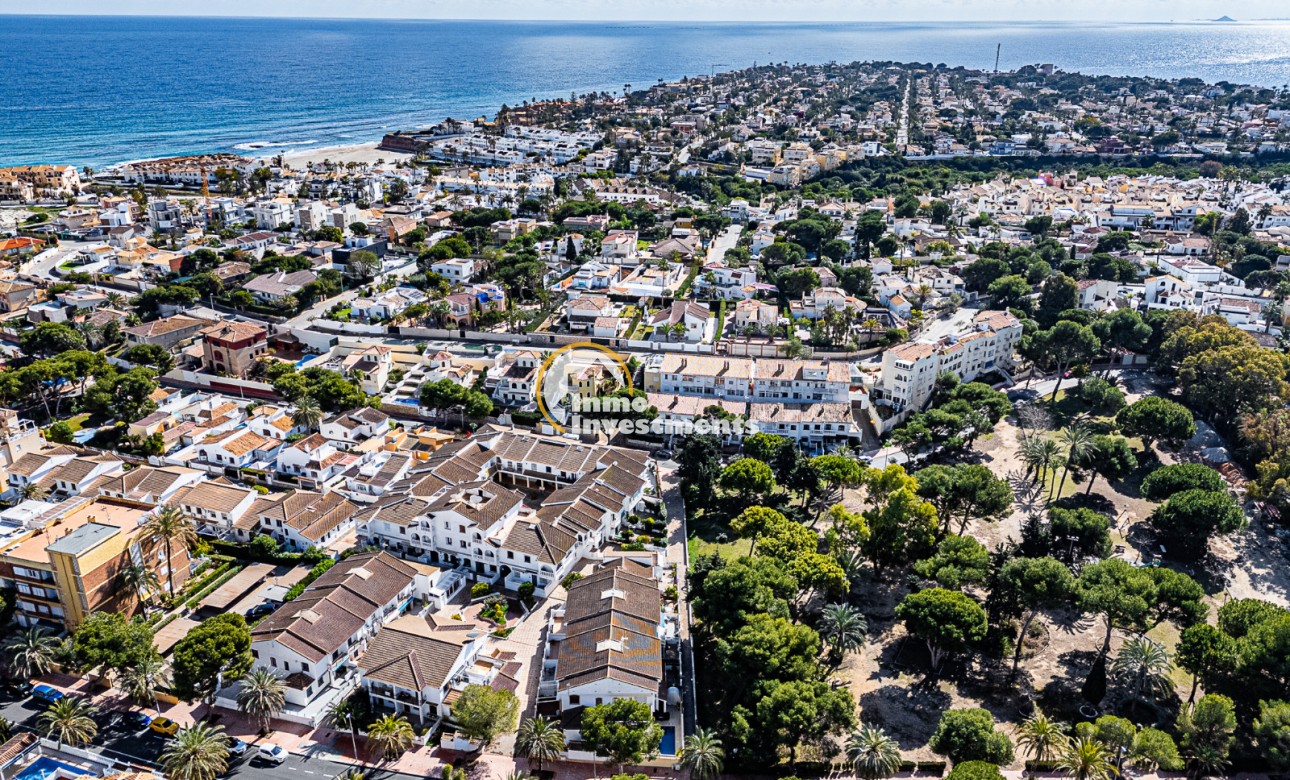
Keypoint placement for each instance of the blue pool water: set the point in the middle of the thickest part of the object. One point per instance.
(44, 768)
(668, 746)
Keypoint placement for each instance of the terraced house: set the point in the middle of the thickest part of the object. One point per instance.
(470, 506)
(610, 640)
(314, 641)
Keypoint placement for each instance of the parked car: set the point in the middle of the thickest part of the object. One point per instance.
(136, 721)
(260, 610)
(47, 694)
(163, 725)
(272, 753)
(237, 747)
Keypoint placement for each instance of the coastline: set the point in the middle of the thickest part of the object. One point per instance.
(363, 154)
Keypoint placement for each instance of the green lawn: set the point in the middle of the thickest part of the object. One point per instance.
(728, 550)
(78, 422)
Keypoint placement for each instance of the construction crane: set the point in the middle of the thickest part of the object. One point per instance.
(997, 50)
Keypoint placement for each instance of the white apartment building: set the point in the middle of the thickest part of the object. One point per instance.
(313, 641)
(273, 214)
(456, 510)
(909, 371)
(457, 270)
(749, 379)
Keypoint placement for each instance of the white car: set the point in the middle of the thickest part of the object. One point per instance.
(272, 753)
(237, 747)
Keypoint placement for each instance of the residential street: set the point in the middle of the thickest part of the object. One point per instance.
(726, 240)
(144, 747)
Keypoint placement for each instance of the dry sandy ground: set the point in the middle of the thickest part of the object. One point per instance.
(11, 218)
(367, 154)
(889, 678)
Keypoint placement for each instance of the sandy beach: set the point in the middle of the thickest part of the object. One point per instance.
(358, 153)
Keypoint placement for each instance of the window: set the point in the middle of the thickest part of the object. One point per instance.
(575, 699)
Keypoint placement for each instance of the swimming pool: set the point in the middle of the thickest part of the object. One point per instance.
(667, 746)
(44, 768)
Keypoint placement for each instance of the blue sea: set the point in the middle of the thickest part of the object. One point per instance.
(100, 90)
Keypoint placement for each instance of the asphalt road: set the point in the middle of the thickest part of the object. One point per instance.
(727, 239)
(118, 742)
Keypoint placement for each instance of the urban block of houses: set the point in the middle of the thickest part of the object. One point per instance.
(464, 507)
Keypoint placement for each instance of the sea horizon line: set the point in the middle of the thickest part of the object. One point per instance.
(666, 21)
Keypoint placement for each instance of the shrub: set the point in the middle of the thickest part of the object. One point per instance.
(264, 547)
(317, 571)
(59, 433)
(975, 770)
(570, 579)
(480, 589)
(1167, 480)
(970, 735)
(526, 591)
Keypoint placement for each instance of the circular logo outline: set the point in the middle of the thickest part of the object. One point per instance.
(546, 364)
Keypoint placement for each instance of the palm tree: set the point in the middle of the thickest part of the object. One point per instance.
(1084, 758)
(391, 735)
(1042, 454)
(703, 755)
(873, 754)
(169, 526)
(199, 752)
(1207, 760)
(340, 716)
(139, 580)
(1078, 438)
(33, 492)
(114, 300)
(308, 413)
(1041, 738)
(262, 696)
(870, 324)
(6, 729)
(68, 722)
(1144, 666)
(844, 628)
(540, 739)
(89, 331)
(141, 681)
(31, 653)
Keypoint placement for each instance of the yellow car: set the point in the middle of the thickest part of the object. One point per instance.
(164, 726)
